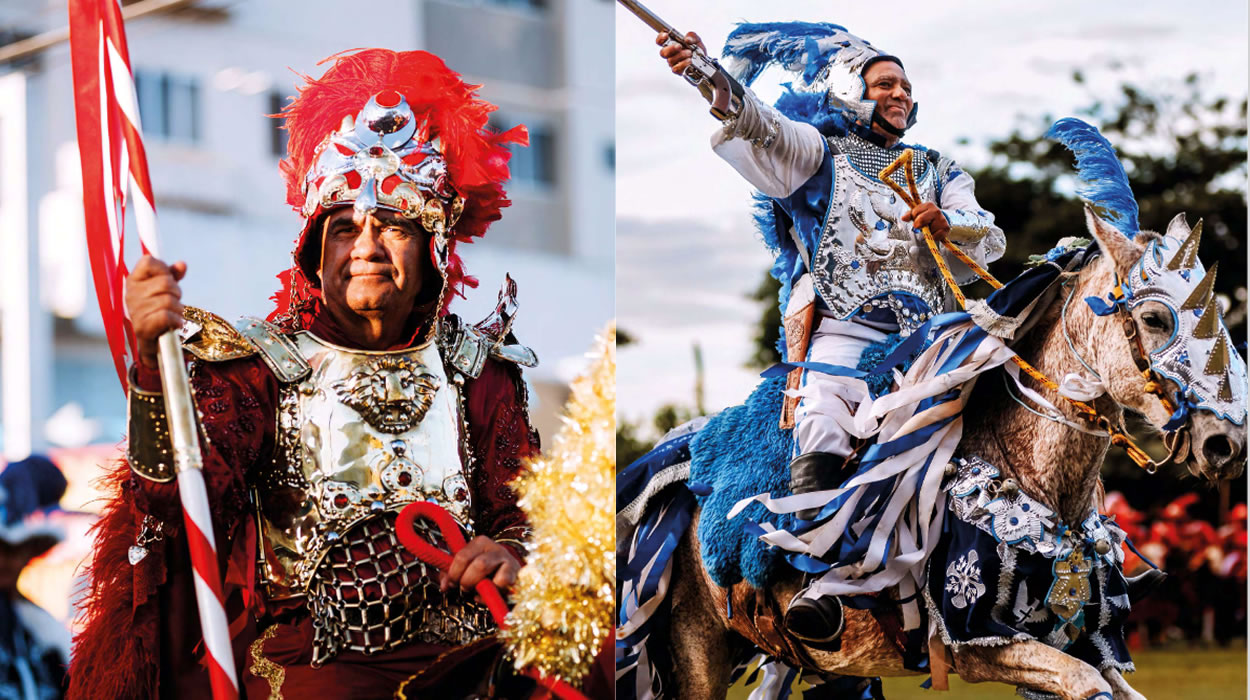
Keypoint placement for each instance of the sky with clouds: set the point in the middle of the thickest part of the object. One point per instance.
(687, 256)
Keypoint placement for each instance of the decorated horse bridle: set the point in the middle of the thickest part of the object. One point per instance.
(1176, 439)
(1154, 385)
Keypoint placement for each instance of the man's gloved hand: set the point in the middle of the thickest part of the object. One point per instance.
(928, 214)
(153, 302)
(482, 558)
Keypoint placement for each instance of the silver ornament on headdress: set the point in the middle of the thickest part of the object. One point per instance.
(400, 168)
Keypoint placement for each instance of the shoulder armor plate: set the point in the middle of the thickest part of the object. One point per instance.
(944, 167)
(211, 338)
(466, 347)
(277, 350)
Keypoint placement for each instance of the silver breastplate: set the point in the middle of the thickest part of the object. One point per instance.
(364, 433)
(866, 259)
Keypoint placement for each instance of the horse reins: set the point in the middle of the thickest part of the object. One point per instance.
(1089, 413)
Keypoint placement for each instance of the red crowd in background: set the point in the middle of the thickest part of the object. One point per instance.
(1203, 599)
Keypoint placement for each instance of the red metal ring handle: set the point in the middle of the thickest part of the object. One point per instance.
(405, 529)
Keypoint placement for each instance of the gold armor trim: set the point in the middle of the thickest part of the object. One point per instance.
(369, 389)
(211, 338)
(149, 449)
(205, 336)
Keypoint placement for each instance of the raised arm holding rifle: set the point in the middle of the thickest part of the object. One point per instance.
(852, 264)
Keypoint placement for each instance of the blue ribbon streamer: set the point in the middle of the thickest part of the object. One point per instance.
(783, 368)
(1141, 556)
(1184, 406)
(1105, 308)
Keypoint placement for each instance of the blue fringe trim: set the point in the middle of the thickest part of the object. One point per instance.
(786, 255)
(810, 107)
(880, 379)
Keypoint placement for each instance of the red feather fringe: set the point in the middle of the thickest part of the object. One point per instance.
(115, 654)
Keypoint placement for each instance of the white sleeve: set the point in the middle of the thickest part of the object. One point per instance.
(773, 153)
(972, 228)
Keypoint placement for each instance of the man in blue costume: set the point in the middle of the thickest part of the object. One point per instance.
(852, 264)
(34, 646)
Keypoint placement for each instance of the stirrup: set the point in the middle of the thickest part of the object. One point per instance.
(818, 622)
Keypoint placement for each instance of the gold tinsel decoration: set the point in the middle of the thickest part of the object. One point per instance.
(563, 601)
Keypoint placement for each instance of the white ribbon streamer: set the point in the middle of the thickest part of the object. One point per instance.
(1076, 385)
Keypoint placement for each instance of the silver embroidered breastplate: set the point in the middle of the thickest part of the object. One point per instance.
(362, 435)
(867, 261)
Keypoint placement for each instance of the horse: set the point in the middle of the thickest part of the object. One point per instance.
(1047, 458)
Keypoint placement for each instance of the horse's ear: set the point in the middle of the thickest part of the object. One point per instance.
(1178, 227)
(1122, 251)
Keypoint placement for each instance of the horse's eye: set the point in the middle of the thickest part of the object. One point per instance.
(1155, 321)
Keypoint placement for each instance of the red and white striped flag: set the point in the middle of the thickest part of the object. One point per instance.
(115, 173)
(110, 146)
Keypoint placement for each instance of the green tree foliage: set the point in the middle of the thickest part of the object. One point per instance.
(1183, 152)
(629, 445)
(768, 331)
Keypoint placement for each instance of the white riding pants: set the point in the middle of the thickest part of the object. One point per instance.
(825, 408)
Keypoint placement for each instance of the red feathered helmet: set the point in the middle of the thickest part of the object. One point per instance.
(397, 131)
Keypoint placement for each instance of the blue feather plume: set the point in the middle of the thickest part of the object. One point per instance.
(810, 107)
(1103, 182)
(797, 46)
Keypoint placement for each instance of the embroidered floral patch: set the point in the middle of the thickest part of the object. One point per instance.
(963, 579)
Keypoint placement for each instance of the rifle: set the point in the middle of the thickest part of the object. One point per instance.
(721, 91)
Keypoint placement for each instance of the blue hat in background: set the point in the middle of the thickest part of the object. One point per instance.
(27, 487)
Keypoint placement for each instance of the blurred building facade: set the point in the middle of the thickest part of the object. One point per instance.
(207, 73)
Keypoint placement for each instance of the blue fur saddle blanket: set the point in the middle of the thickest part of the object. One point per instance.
(739, 453)
(742, 452)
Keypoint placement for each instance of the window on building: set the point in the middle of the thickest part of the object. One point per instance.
(169, 106)
(278, 136)
(511, 4)
(534, 164)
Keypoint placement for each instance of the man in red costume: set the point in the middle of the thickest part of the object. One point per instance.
(358, 395)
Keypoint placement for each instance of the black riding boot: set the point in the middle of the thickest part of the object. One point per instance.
(1144, 584)
(815, 471)
(816, 621)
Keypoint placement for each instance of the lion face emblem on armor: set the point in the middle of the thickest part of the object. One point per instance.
(391, 393)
